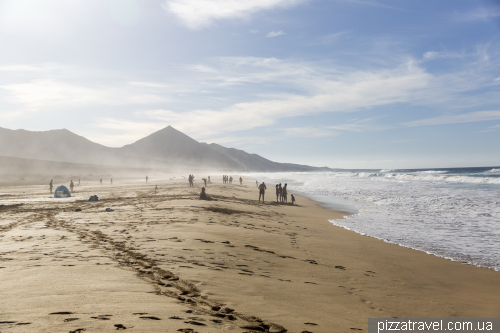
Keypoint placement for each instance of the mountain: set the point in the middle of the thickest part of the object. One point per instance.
(174, 147)
(256, 163)
(167, 149)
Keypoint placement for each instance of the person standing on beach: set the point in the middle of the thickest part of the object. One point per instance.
(241, 181)
(262, 191)
(293, 199)
(231, 180)
(280, 192)
(205, 181)
(50, 186)
(257, 183)
(209, 179)
(146, 179)
(156, 188)
(100, 181)
(71, 185)
(277, 193)
(111, 181)
(285, 199)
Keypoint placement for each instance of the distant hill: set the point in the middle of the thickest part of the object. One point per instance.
(167, 149)
(256, 163)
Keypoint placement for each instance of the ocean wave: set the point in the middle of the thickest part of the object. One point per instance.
(494, 171)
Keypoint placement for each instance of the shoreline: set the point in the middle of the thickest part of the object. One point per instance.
(276, 265)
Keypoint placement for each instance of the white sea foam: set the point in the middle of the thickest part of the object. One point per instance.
(494, 170)
(451, 215)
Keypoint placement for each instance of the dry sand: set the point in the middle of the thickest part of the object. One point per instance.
(168, 262)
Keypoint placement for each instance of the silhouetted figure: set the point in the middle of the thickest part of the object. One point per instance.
(50, 186)
(111, 181)
(285, 193)
(156, 188)
(78, 181)
(147, 179)
(293, 199)
(241, 181)
(203, 195)
(100, 181)
(209, 179)
(280, 192)
(277, 193)
(231, 180)
(71, 185)
(205, 181)
(262, 191)
(257, 183)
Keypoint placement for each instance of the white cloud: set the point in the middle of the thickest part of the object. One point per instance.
(308, 132)
(197, 14)
(479, 14)
(328, 39)
(431, 55)
(40, 94)
(454, 119)
(275, 34)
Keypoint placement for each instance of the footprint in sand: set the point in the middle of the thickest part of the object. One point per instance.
(78, 330)
(61, 313)
(120, 327)
(70, 319)
(150, 317)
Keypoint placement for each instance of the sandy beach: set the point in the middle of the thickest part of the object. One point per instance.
(168, 262)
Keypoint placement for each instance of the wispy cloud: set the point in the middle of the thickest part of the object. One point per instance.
(454, 119)
(275, 34)
(479, 14)
(328, 39)
(40, 94)
(197, 14)
(431, 55)
(308, 132)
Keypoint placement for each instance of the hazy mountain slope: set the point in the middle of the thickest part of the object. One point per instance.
(256, 163)
(175, 147)
(55, 145)
(167, 149)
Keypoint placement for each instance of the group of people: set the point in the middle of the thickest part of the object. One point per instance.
(281, 193)
(227, 179)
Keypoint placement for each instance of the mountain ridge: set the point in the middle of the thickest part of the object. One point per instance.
(165, 148)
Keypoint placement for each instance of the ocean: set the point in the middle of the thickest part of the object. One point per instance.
(451, 213)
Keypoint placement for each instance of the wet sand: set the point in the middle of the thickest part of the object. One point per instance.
(168, 262)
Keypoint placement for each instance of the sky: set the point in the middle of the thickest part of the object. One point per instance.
(338, 83)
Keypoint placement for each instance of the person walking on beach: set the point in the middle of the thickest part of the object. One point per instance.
(205, 181)
(147, 179)
(78, 181)
(285, 199)
(293, 199)
(156, 188)
(280, 192)
(71, 185)
(262, 191)
(50, 186)
(277, 193)
(209, 179)
(241, 181)
(100, 181)
(257, 183)
(111, 181)
(231, 180)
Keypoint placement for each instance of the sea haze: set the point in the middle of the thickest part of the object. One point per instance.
(452, 213)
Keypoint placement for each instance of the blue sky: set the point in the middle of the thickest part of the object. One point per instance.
(339, 83)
